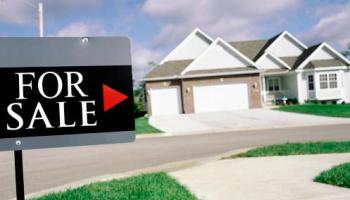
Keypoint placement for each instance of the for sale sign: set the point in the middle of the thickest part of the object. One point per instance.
(78, 96)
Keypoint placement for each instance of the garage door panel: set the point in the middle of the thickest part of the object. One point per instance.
(165, 101)
(226, 97)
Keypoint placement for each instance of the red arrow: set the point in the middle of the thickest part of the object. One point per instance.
(111, 97)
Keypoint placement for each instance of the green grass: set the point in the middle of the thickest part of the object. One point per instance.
(330, 110)
(142, 126)
(338, 175)
(297, 149)
(154, 186)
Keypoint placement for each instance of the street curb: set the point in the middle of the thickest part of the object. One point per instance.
(213, 131)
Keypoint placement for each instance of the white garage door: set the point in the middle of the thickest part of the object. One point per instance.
(165, 101)
(226, 97)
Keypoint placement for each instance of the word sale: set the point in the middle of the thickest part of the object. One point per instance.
(68, 81)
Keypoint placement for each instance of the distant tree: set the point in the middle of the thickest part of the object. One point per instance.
(139, 100)
(139, 94)
(346, 52)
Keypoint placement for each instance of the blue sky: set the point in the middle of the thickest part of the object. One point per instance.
(156, 26)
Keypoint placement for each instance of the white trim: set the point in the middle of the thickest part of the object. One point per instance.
(307, 60)
(220, 74)
(276, 73)
(224, 43)
(322, 69)
(283, 34)
(195, 31)
(161, 78)
(275, 58)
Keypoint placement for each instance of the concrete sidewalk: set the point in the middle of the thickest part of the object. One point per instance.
(265, 178)
(239, 120)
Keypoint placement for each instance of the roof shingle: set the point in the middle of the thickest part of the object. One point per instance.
(249, 48)
(324, 63)
(168, 69)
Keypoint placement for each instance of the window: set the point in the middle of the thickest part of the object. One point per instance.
(310, 80)
(273, 84)
(328, 81)
(323, 81)
(333, 83)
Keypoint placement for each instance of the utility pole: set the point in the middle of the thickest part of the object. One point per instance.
(41, 19)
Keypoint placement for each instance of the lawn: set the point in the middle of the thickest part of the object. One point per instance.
(338, 175)
(154, 186)
(142, 126)
(297, 149)
(330, 110)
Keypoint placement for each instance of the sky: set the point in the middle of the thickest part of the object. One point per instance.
(155, 27)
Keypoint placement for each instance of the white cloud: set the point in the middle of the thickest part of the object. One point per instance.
(15, 11)
(332, 26)
(141, 57)
(24, 11)
(225, 18)
(82, 29)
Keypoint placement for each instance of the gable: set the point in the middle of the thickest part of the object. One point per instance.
(190, 48)
(324, 52)
(286, 46)
(267, 61)
(218, 56)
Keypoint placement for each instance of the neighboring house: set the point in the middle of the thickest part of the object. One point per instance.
(204, 75)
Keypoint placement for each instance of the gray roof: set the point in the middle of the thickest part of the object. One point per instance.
(290, 61)
(222, 70)
(250, 48)
(324, 63)
(168, 69)
(294, 62)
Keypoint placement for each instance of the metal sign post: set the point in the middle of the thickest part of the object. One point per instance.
(64, 92)
(19, 175)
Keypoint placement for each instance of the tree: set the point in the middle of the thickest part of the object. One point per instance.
(346, 52)
(139, 100)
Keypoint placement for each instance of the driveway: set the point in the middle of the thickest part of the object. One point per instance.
(239, 120)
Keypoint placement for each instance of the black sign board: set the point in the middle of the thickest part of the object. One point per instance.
(65, 92)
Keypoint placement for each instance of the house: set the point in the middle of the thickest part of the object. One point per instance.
(203, 74)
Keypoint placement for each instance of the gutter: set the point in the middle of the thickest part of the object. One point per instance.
(219, 74)
(322, 69)
(200, 75)
(165, 78)
(276, 73)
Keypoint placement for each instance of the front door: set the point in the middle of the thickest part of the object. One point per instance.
(310, 86)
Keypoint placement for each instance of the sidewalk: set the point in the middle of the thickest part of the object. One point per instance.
(265, 178)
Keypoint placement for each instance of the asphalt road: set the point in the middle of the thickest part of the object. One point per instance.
(49, 168)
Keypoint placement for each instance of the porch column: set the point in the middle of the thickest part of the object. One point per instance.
(263, 91)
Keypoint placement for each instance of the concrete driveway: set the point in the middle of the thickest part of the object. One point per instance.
(238, 120)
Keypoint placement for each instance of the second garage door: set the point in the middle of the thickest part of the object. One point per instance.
(225, 97)
(165, 101)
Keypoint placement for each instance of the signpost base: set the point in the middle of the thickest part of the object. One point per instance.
(19, 175)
